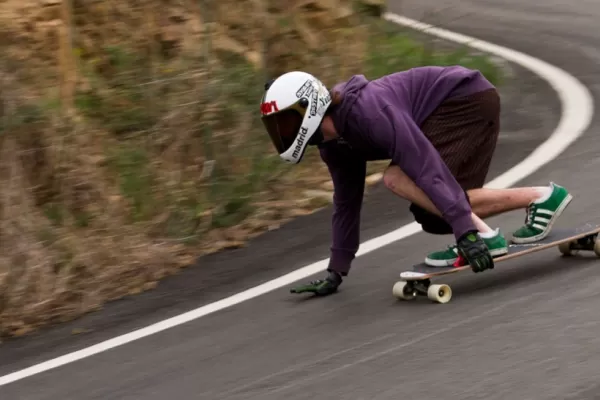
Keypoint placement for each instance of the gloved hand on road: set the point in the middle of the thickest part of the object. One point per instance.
(474, 250)
(321, 287)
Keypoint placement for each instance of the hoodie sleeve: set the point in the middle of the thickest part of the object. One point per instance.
(348, 174)
(415, 155)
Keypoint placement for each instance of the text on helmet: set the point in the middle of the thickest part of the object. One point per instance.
(300, 141)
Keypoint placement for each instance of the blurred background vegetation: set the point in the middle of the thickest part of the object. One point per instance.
(130, 136)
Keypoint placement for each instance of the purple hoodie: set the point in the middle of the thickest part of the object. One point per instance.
(380, 120)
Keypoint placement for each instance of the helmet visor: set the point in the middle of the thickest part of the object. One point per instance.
(283, 127)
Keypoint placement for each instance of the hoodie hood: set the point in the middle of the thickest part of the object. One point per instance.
(350, 91)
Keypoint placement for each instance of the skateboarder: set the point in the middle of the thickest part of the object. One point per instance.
(439, 127)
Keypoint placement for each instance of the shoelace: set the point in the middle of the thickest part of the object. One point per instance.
(529, 216)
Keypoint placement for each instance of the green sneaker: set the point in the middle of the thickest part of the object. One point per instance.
(541, 215)
(444, 258)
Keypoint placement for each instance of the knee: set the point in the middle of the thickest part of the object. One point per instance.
(394, 179)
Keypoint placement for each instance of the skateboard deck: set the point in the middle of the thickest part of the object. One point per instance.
(416, 281)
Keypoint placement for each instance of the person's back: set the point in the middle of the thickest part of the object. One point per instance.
(427, 87)
(418, 90)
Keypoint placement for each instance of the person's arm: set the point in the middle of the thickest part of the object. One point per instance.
(348, 174)
(415, 155)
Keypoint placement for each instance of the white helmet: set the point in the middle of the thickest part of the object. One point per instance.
(292, 109)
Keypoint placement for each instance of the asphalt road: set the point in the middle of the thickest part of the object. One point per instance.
(527, 330)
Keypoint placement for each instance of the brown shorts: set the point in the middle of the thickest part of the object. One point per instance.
(464, 131)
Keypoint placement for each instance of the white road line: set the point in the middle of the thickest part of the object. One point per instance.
(577, 110)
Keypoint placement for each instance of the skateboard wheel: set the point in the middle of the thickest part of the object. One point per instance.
(565, 248)
(597, 247)
(401, 291)
(439, 293)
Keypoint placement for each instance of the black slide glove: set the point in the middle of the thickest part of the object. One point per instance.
(321, 287)
(473, 249)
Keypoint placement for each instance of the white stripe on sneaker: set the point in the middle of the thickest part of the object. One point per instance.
(541, 219)
(544, 211)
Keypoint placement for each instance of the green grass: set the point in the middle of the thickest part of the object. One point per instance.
(235, 92)
(135, 179)
(393, 50)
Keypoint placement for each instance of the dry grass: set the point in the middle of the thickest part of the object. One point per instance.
(130, 142)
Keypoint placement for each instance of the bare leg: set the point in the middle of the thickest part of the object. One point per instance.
(484, 202)
(489, 202)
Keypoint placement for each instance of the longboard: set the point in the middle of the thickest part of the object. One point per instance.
(417, 280)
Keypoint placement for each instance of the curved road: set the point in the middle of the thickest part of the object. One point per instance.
(528, 330)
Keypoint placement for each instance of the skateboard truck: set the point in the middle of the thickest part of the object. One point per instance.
(586, 243)
(410, 289)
